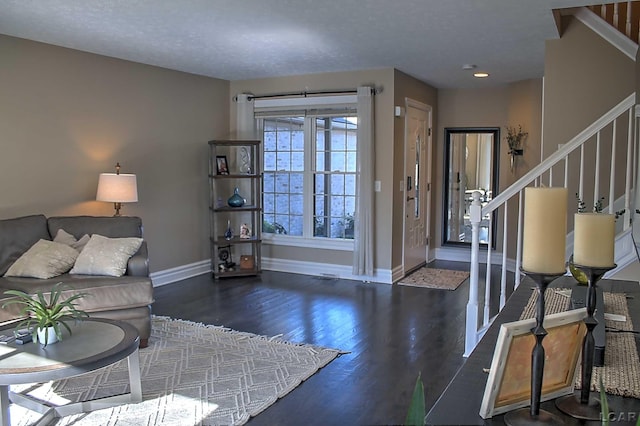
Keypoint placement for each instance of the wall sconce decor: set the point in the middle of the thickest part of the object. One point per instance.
(515, 137)
(117, 188)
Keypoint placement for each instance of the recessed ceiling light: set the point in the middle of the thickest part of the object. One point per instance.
(468, 66)
(481, 74)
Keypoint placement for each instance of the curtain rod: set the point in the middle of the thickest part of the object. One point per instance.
(303, 94)
(307, 93)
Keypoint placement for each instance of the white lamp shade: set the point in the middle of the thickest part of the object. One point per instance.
(114, 188)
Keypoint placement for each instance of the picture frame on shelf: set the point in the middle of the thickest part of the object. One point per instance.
(222, 167)
(509, 383)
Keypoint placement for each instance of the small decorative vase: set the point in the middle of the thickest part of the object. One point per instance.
(236, 200)
(228, 234)
(47, 336)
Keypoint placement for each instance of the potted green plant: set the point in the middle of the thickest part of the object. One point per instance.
(47, 314)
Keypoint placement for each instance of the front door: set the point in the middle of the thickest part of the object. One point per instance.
(417, 187)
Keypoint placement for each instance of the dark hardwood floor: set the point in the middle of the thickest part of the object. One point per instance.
(391, 334)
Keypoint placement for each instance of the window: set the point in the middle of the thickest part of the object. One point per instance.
(309, 176)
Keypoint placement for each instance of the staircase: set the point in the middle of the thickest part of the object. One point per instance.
(624, 16)
(601, 161)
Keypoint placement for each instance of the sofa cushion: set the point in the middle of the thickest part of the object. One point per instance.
(113, 227)
(66, 238)
(45, 259)
(106, 256)
(104, 293)
(18, 235)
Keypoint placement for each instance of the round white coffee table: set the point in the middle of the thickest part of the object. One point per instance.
(94, 343)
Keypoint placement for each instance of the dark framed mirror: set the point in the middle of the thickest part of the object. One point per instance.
(470, 164)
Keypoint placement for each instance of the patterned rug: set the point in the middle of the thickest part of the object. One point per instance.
(445, 279)
(192, 374)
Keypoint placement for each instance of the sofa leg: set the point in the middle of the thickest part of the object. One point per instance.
(143, 343)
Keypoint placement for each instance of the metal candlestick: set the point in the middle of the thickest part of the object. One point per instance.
(586, 408)
(534, 415)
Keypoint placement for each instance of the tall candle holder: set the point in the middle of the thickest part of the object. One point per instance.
(534, 415)
(586, 408)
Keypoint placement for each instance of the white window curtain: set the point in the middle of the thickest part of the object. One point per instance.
(245, 121)
(363, 261)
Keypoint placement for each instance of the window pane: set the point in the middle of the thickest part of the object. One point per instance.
(337, 184)
(320, 184)
(320, 228)
(284, 141)
(296, 183)
(319, 205)
(337, 161)
(297, 140)
(283, 161)
(282, 224)
(351, 140)
(320, 161)
(270, 161)
(297, 161)
(269, 141)
(351, 161)
(296, 225)
(350, 184)
(349, 205)
(333, 152)
(282, 204)
(337, 206)
(269, 203)
(268, 182)
(296, 204)
(282, 182)
(338, 140)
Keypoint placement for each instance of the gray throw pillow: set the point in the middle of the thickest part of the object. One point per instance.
(64, 237)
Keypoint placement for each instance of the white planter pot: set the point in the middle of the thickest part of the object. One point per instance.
(49, 333)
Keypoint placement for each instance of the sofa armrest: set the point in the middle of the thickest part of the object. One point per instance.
(139, 263)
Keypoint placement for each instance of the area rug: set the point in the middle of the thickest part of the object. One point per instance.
(445, 279)
(192, 374)
(621, 371)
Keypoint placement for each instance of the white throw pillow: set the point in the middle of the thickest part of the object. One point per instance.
(106, 256)
(64, 237)
(45, 259)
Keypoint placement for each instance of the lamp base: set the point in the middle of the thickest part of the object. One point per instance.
(523, 417)
(572, 406)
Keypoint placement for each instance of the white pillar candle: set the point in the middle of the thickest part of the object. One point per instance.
(593, 243)
(545, 230)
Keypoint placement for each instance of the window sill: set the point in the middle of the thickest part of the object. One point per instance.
(318, 243)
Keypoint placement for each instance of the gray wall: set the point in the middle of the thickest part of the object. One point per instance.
(66, 116)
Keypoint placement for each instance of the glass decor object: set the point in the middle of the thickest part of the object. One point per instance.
(228, 234)
(236, 199)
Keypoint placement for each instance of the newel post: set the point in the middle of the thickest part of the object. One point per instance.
(475, 214)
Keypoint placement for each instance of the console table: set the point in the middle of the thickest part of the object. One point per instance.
(460, 402)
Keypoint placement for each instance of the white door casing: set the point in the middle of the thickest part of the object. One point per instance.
(417, 184)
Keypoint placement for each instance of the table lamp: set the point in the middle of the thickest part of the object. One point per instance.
(117, 188)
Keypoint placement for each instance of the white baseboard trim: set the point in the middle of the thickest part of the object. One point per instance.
(179, 273)
(323, 270)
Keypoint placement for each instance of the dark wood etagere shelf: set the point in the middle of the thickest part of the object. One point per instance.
(235, 164)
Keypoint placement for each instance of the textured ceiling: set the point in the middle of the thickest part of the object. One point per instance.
(246, 39)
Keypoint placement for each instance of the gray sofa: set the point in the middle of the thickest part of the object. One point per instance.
(127, 298)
